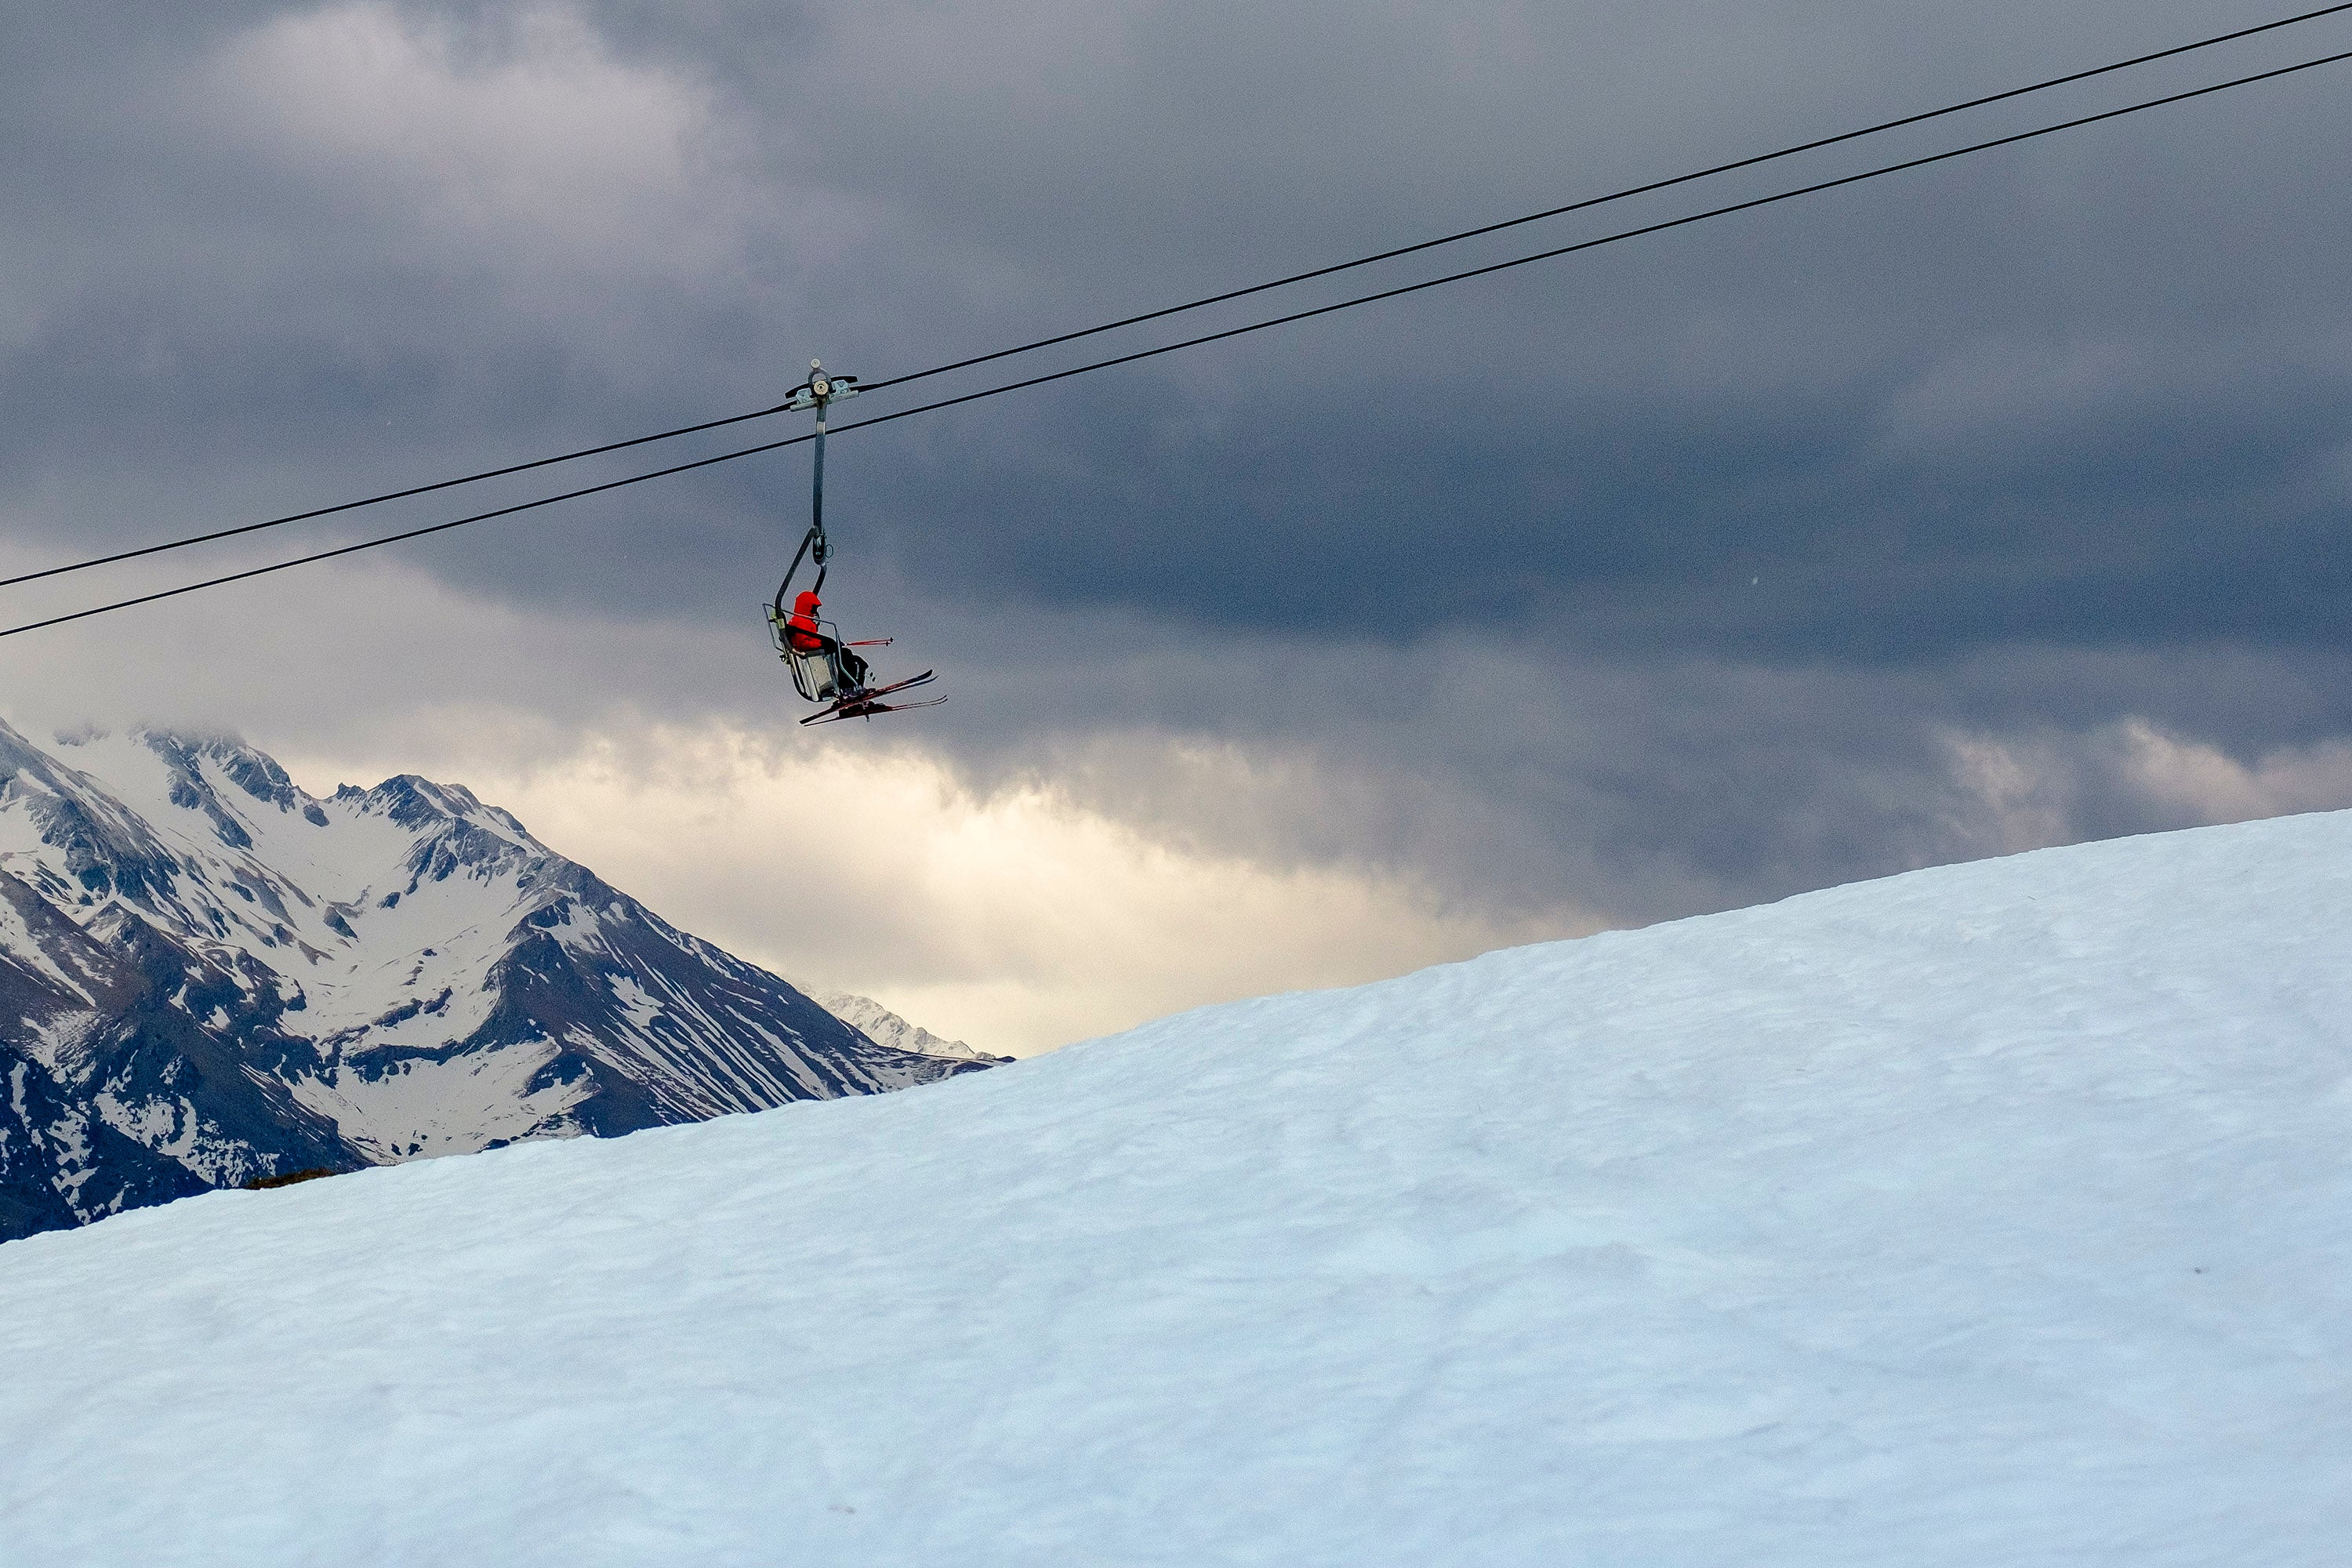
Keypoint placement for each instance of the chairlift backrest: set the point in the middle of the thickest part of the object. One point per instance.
(817, 671)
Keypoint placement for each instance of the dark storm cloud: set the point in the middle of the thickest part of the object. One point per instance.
(1669, 573)
(1512, 776)
(1917, 377)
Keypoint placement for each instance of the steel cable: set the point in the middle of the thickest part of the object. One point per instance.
(1204, 302)
(1492, 267)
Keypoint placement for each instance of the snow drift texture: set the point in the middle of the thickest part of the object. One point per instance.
(207, 976)
(1994, 1214)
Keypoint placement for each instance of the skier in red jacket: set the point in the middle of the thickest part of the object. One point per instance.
(802, 630)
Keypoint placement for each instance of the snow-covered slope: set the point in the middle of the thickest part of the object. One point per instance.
(1993, 1214)
(206, 976)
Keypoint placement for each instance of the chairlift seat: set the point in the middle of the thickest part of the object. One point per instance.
(817, 674)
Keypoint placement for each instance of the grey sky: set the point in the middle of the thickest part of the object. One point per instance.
(1690, 573)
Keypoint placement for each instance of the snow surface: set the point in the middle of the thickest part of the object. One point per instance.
(1993, 1214)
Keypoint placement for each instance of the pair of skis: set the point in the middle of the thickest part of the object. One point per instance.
(865, 704)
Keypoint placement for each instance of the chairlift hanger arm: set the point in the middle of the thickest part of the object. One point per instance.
(823, 552)
(819, 392)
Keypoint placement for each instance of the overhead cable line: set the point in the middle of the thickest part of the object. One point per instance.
(1165, 311)
(1619, 237)
(387, 496)
(1624, 194)
(410, 533)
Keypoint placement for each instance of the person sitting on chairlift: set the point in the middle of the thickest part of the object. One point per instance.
(803, 632)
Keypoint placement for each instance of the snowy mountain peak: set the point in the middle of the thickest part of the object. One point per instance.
(880, 1025)
(239, 977)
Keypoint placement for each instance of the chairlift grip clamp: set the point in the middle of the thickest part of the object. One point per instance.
(806, 396)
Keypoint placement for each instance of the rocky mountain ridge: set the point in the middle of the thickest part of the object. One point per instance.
(207, 975)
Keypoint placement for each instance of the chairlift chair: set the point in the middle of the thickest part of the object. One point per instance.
(812, 647)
